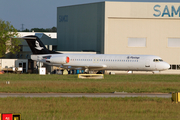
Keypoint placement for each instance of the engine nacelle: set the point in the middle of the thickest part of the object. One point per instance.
(58, 60)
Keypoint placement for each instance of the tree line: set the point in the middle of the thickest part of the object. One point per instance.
(8, 42)
(53, 29)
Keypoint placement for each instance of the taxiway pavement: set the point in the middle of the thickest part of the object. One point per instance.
(105, 95)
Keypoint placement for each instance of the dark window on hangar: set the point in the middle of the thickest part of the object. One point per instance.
(174, 67)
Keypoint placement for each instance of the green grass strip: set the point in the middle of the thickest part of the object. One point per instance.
(33, 83)
(91, 108)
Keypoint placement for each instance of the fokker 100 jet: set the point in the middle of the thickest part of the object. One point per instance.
(97, 62)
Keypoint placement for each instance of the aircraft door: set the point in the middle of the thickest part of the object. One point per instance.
(155, 66)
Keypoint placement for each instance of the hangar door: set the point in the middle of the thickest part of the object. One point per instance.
(152, 35)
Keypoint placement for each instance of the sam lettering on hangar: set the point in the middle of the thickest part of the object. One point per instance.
(167, 11)
(63, 18)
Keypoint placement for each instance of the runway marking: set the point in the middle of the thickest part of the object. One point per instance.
(105, 95)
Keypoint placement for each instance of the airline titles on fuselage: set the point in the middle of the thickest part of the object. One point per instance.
(131, 57)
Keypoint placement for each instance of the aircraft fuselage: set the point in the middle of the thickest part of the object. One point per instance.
(105, 62)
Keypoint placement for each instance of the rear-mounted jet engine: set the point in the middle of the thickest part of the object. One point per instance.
(58, 59)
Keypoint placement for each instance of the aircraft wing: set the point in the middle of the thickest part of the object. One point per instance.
(94, 67)
(69, 66)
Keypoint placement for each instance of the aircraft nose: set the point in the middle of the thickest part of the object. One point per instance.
(166, 66)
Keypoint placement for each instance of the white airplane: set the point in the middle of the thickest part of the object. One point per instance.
(97, 62)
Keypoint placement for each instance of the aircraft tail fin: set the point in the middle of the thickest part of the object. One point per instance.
(36, 46)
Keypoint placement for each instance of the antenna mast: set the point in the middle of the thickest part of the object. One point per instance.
(22, 27)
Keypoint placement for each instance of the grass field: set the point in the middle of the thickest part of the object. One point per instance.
(91, 108)
(60, 108)
(33, 83)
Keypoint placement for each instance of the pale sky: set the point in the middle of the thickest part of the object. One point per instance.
(42, 13)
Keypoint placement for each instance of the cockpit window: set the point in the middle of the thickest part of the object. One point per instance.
(160, 60)
(157, 60)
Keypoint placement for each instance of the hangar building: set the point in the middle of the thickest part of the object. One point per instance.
(121, 28)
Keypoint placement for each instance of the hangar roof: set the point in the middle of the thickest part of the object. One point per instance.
(52, 35)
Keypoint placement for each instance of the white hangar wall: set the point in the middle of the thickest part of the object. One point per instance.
(81, 27)
(143, 28)
(121, 28)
